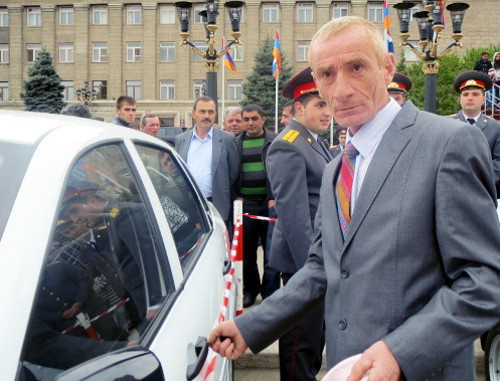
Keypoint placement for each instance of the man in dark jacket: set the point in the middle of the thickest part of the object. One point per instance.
(253, 188)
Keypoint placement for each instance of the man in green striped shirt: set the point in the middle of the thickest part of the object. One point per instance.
(253, 188)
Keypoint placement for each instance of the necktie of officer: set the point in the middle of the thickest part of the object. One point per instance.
(471, 121)
(344, 187)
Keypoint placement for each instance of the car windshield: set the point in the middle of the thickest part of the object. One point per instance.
(14, 159)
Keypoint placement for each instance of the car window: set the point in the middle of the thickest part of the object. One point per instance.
(105, 275)
(180, 203)
(14, 159)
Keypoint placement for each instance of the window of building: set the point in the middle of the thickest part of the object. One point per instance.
(133, 14)
(4, 17)
(303, 50)
(235, 88)
(100, 14)
(66, 16)
(69, 90)
(270, 12)
(197, 8)
(34, 16)
(203, 46)
(66, 52)
(134, 89)
(33, 50)
(167, 51)
(4, 91)
(236, 52)
(167, 90)
(4, 53)
(101, 89)
(340, 9)
(133, 51)
(99, 51)
(375, 12)
(305, 12)
(198, 88)
(167, 14)
(410, 56)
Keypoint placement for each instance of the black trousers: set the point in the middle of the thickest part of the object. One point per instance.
(254, 232)
(301, 348)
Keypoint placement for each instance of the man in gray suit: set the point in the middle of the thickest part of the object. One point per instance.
(411, 277)
(211, 156)
(295, 163)
(472, 86)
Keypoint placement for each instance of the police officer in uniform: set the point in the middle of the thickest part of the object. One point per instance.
(337, 149)
(472, 86)
(399, 86)
(295, 163)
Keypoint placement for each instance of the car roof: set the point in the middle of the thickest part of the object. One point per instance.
(29, 128)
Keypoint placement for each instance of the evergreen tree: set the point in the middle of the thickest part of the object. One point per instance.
(260, 85)
(43, 89)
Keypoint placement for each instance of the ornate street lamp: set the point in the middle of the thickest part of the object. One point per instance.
(85, 95)
(430, 26)
(209, 17)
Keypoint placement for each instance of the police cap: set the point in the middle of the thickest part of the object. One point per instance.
(303, 83)
(400, 83)
(472, 78)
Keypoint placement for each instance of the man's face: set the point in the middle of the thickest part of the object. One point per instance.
(472, 100)
(315, 116)
(253, 123)
(152, 126)
(286, 116)
(342, 140)
(204, 115)
(350, 78)
(169, 165)
(233, 123)
(485, 56)
(398, 97)
(127, 112)
(87, 213)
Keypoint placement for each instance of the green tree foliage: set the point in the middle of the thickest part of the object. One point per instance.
(43, 89)
(260, 85)
(449, 67)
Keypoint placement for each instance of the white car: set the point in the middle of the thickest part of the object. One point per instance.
(112, 263)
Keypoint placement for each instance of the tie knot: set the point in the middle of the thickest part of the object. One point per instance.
(471, 121)
(350, 150)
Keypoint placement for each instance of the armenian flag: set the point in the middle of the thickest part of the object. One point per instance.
(387, 33)
(276, 56)
(228, 60)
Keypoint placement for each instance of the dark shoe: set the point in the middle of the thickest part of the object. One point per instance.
(248, 300)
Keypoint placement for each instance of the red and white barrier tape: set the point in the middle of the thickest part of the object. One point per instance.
(260, 217)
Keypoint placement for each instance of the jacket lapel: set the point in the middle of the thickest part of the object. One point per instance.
(392, 144)
(184, 145)
(216, 149)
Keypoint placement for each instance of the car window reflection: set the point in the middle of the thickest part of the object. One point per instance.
(105, 276)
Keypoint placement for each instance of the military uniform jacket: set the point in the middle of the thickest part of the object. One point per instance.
(419, 268)
(295, 164)
(491, 130)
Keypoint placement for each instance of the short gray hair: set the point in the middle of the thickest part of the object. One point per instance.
(77, 109)
(143, 120)
(232, 111)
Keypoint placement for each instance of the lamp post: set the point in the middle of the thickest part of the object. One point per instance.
(209, 17)
(430, 26)
(85, 95)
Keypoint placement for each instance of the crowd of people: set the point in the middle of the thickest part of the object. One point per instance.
(386, 244)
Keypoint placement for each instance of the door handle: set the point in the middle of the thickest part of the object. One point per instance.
(227, 266)
(201, 349)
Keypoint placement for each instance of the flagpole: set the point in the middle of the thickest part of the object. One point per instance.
(223, 80)
(276, 106)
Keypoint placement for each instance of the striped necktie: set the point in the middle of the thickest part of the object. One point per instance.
(344, 187)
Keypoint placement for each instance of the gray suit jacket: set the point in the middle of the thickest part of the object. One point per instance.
(225, 166)
(491, 130)
(294, 170)
(420, 265)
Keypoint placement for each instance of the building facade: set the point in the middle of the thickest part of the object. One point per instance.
(124, 47)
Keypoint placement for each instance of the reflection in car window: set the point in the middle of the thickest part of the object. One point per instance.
(105, 277)
(178, 199)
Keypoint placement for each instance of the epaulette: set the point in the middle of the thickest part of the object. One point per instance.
(291, 135)
(114, 212)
